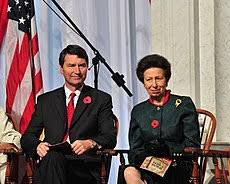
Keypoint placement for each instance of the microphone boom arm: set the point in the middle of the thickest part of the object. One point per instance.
(118, 78)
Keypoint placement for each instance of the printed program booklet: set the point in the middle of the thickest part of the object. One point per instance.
(156, 165)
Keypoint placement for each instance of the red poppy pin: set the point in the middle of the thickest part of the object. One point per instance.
(155, 123)
(87, 100)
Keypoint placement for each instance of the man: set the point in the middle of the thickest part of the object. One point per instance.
(91, 125)
(9, 139)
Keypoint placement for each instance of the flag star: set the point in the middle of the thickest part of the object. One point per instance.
(28, 16)
(22, 20)
(9, 9)
(26, 3)
(17, 2)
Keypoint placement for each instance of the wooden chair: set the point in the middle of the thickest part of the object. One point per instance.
(207, 123)
(11, 175)
(105, 160)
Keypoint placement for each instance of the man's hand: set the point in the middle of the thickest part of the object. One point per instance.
(43, 149)
(81, 146)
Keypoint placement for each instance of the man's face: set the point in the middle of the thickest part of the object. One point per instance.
(74, 71)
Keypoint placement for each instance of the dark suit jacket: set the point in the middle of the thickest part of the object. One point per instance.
(90, 121)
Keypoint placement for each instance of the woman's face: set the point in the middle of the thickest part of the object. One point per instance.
(155, 82)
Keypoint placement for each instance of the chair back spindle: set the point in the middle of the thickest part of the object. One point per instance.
(207, 123)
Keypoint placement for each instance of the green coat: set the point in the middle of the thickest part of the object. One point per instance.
(175, 124)
(178, 125)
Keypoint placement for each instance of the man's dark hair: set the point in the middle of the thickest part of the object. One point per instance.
(73, 50)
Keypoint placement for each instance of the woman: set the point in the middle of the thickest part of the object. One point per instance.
(163, 124)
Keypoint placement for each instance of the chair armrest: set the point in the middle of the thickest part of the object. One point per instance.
(207, 153)
(9, 148)
(192, 150)
(13, 153)
(112, 152)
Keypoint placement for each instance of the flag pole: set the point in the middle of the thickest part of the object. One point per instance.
(118, 78)
(29, 33)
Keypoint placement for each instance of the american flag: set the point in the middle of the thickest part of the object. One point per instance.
(18, 38)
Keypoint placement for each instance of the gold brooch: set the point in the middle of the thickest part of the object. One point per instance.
(178, 102)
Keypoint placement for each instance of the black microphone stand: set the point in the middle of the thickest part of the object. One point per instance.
(95, 62)
(119, 79)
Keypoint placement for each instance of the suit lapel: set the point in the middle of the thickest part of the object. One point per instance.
(82, 103)
(60, 102)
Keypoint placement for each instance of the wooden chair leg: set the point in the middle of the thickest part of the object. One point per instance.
(217, 170)
(223, 171)
(103, 173)
(30, 166)
(8, 170)
(11, 175)
(195, 179)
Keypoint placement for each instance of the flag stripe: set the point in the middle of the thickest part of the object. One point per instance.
(34, 45)
(11, 84)
(17, 70)
(23, 71)
(26, 115)
(38, 82)
(3, 19)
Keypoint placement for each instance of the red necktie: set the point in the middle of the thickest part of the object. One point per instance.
(70, 111)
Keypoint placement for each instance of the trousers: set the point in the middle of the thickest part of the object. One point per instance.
(55, 168)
